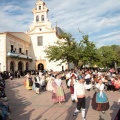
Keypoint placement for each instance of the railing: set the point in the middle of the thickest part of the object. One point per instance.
(16, 55)
(12, 54)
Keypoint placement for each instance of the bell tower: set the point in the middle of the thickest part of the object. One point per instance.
(40, 13)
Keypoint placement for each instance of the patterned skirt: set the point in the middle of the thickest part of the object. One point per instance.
(58, 94)
(100, 106)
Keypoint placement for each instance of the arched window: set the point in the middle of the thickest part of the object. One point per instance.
(42, 18)
(39, 7)
(37, 18)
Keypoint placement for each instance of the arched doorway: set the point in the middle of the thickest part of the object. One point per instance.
(20, 68)
(12, 65)
(40, 66)
(27, 66)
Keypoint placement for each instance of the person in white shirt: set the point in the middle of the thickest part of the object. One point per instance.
(88, 80)
(79, 96)
(37, 84)
(71, 83)
(68, 75)
(42, 82)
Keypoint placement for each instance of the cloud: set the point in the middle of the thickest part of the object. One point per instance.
(99, 19)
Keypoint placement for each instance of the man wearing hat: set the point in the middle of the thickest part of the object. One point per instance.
(79, 96)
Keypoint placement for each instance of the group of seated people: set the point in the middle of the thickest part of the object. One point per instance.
(112, 82)
(4, 106)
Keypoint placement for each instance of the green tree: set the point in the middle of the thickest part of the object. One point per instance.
(108, 56)
(66, 50)
(89, 51)
(116, 55)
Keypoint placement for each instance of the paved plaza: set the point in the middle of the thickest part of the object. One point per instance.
(26, 105)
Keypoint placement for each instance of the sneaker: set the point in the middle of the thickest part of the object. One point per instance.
(103, 112)
(83, 118)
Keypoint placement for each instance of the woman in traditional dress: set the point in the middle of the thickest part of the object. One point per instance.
(100, 101)
(71, 83)
(29, 82)
(117, 117)
(58, 94)
(49, 86)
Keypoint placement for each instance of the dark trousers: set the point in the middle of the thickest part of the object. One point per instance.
(81, 103)
(87, 81)
(111, 88)
(67, 83)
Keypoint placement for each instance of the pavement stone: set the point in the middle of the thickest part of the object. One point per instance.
(26, 105)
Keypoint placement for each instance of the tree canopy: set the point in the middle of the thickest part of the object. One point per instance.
(82, 52)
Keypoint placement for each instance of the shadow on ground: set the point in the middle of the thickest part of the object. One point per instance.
(16, 100)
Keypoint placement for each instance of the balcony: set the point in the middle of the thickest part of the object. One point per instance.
(10, 54)
(29, 57)
(18, 56)
(23, 56)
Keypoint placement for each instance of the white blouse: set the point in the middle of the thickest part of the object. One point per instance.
(101, 88)
(74, 82)
(87, 76)
(58, 82)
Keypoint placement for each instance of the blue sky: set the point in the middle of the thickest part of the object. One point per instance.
(100, 19)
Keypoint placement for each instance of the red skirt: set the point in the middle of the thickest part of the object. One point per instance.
(71, 89)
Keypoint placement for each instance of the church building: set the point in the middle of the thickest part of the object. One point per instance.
(25, 51)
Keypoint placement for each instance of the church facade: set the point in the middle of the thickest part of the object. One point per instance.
(25, 51)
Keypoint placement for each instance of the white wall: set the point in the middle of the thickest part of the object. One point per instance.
(38, 51)
(3, 52)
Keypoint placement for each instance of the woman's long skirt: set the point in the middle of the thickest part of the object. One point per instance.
(58, 94)
(28, 87)
(118, 115)
(100, 106)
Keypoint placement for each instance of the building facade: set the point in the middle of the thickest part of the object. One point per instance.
(15, 51)
(25, 51)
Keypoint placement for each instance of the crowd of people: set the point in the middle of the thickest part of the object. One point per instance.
(78, 81)
(4, 105)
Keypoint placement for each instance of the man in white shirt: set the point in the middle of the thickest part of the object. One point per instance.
(88, 80)
(79, 96)
(68, 75)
